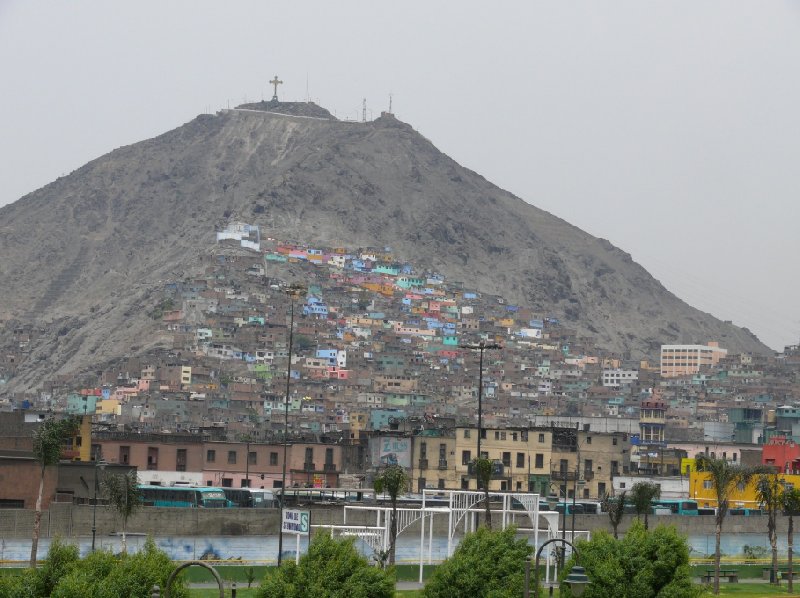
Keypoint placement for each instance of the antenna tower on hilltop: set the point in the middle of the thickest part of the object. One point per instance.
(364, 110)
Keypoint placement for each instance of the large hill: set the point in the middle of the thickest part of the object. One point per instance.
(81, 256)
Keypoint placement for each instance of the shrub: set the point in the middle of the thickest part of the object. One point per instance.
(643, 564)
(331, 569)
(61, 560)
(105, 575)
(486, 563)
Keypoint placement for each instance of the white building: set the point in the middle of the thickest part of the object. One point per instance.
(618, 377)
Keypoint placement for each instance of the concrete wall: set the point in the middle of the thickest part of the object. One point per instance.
(72, 521)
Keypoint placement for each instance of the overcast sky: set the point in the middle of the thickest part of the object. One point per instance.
(670, 128)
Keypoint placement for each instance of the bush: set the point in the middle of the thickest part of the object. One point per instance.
(330, 569)
(105, 575)
(61, 560)
(486, 563)
(644, 564)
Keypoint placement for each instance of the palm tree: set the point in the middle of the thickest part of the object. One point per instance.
(769, 492)
(392, 480)
(123, 494)
(615, 509)
(791, 506)
(725, 477)
(483, 473)
(642, 496)
(48, 442)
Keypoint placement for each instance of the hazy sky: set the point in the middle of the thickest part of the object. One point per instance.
(670, 128)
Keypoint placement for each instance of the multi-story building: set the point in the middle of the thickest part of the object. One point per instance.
(521, 456)
(433, 460)
(587, 462)
(683, 360)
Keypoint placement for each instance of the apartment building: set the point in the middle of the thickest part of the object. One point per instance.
(521, 456)
(683, 360)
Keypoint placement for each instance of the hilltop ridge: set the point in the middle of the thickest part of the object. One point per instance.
(84, 256)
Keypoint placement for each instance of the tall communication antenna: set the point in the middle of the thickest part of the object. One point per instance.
(390, 102)
(364, 111)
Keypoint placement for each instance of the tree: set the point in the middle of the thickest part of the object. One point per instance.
(483, 474)
(644, 563)
(330, 569)
(48, 442)
(486, 563)
(392, 481)
(615, 507)
(123, 494)
(642, 496)
(791, 506)
(725, 477)
(769, 492)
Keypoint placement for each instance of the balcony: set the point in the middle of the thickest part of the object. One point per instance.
(309, 466)
(442, 463)
(569, 476)
(329, 467)
(423, 464)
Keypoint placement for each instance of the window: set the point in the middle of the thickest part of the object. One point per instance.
(211, 455)
(707, 484)
(442, 452)
(465, 483)
(507, 459)
(273, 458)
(466, 457)
(466, 433)
(124, 454)
(227, 482)
(328, 456)
(520, 459)
(252, 458)
(483, 434)
(502, 435)
(614, 441)
(423, 450)
(514, 436)
(421, 484)
(539, 461)
(524, 435)
(441, 484)
(180, 460)
(541, 438)
(496, 435)
(622, 485)
(588, 440)
(231, 457)
(309, 454)
(245, 483)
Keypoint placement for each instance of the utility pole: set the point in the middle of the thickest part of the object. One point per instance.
(480, 347)
(294, 291)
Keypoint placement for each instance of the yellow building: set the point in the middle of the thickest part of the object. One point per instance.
(524, 454)
(108, 407)
(701, 490)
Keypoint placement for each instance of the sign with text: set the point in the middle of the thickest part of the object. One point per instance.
(296, 522)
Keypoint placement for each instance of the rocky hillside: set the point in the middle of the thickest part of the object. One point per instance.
(85, 256)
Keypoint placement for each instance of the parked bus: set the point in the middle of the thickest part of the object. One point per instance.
(675, 507)
(251, 498)
(301, 496)
(204, 497)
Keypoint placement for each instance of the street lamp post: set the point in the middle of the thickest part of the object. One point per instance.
(576, 580)
(480, 347)
(102, 466)
(294, 291)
